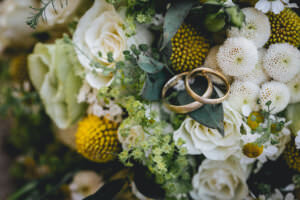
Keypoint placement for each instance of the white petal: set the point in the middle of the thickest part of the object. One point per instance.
(263, 5)
(277, 7)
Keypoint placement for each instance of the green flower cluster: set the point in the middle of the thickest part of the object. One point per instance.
(168, 163)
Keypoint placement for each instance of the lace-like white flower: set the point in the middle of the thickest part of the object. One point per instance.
(97, 106)
(258, 74)
(294, 87)
(237, 56)
(256, 27)
(275, 6)
(282, 62)
(243, 94)
(276, 92)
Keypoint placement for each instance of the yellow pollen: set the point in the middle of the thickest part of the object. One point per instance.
(96, 139)
(189, 49)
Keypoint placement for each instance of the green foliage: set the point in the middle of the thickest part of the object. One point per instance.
(217, 15)
(168, 163)
(141, 11)
(271, 127)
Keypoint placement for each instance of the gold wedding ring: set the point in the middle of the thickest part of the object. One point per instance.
(183, 109)
(204, 99)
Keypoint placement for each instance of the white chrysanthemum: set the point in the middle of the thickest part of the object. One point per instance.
(237, 56)
(211, 62)
(256, 28)
(294, 87)
(243, 95)
(258, 74)
(282, 61)
(276, 92)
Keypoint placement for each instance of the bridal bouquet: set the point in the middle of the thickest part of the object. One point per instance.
(155, 99)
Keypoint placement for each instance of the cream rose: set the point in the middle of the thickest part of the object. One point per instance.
(200, 139)
(102, 30)
(220, 180)
(14, 30)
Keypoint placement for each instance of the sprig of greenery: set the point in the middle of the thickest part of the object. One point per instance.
(271, 127)
(38, 13)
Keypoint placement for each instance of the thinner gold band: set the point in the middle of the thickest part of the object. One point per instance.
(203, 99)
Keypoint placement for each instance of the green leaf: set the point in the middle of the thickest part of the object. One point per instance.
(174, 18)
(208, 115)
(108, 191)
(154, 84)
(235, 15)
(149, 64)
(215, 22)
(24, 190)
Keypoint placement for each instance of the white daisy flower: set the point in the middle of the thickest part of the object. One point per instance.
(275, 6)
(282, 62)
(237, 56)
(243, 96)
(276, 92)
(256, 28)
(294, 87)
(258, 74)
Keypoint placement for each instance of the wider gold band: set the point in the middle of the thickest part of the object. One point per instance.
(183, 109)
(203, 99)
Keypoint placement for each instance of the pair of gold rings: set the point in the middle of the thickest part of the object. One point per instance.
(199, 100)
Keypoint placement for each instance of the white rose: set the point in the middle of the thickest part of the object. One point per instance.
(13, 16)
(200, 139)
(220, 180)
(101, 29)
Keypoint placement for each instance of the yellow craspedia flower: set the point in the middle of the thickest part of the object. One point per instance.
(252, 150)
(285, 28)
(189, 49)
(18, 68)
(292, 156)
(96, 139)
(254, 119)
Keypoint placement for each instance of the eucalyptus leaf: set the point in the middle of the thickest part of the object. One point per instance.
(208, 115)
(154, 84)
(174, 18)
(108, 191)
(149, 64)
